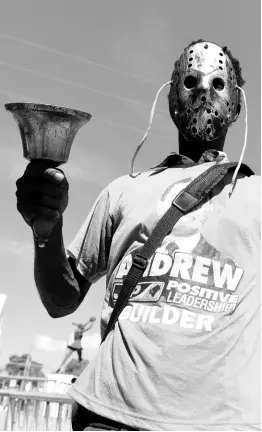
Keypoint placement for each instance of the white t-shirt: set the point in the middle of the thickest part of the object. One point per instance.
(185, 353)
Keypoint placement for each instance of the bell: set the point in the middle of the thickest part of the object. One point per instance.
(47, 133)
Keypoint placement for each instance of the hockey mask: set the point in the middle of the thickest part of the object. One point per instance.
(204, 99)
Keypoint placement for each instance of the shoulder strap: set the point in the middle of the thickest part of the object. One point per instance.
(186, 201)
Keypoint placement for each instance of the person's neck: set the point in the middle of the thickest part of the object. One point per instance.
(194, 149)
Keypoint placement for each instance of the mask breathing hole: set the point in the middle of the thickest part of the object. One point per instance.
(188, 111)
(194, 130)
(190, 81)
(209, 121)
(208, 131)
(194, 120)
(221, 54)
(206, 46)
(218, 84)
(208, 110)
(216, 113)
(221, 121)
(191, 51)
(203, 99)
(196, 110)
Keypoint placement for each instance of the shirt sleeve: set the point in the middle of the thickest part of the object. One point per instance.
(239, 227)
(247, 197)
(91, 246)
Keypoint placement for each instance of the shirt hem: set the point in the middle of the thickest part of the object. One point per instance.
(145, 423)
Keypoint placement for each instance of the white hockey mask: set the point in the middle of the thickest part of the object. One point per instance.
(203, 99)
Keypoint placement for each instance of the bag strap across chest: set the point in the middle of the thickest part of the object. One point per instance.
(196, 193)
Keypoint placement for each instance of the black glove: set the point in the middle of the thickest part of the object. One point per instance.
(42, 192)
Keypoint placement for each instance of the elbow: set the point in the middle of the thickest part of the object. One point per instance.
(57, 313)
(62, 302)
(60, 312)
(56, 310)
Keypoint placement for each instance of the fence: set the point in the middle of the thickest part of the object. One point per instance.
(26, 405)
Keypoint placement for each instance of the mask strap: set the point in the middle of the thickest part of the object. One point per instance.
(149, 125)
(244, 146)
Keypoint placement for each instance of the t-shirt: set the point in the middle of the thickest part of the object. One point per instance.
(185, 353)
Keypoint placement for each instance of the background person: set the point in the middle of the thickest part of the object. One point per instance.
(76, 345)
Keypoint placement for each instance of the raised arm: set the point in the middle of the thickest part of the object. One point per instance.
(89, 324)
(91, 320)
(88, 328)
(42, 192)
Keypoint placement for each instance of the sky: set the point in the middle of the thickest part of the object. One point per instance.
(107, 58)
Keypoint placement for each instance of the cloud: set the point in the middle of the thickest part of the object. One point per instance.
(91, 342)
(22, 249)
(46, 343)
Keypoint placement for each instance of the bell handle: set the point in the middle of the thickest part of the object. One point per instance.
(41, 227)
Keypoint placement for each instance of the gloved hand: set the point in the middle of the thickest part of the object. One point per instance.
(42, 196)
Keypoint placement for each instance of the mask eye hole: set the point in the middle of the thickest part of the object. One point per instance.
(218, 84)
(190, 82)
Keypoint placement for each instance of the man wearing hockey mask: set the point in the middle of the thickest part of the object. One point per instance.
(184, 353)
(204, 100)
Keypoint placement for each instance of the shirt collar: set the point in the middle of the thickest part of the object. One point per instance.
(175, 159)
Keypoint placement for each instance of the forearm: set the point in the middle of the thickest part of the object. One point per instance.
(88, 328)
(54, 277)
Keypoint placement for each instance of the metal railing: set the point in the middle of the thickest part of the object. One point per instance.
(29, 382)
(27, 409)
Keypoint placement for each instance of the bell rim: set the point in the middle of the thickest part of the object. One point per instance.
(56, 109)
